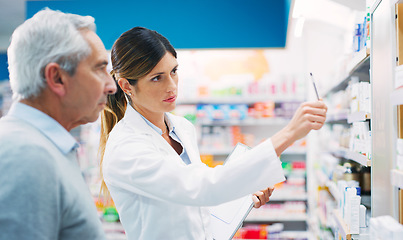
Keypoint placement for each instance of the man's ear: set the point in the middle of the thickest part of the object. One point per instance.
(54, 78)
(125, 85)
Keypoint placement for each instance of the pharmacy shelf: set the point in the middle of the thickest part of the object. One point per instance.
(345, 117)
(294, 151)
(114, 230)
(359, 65)
(333, 190)
(358, 117)
(288, 197)
(339, 117)
(296, 235)
(396, 178)
(344, 230)
(399, 76)
(289, 235)
(217, 152)
(392, 2)
(321, 177)
(364, 234)
(246, 122)
(396, 97)
(375, 5)
(321, 216)
(342, 226)
(228, 150)
(331, 185)
(360, 62)
(286, 217)
(354, 156)
(318, 225)
(235, 100)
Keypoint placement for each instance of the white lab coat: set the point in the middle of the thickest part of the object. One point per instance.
(158, 196)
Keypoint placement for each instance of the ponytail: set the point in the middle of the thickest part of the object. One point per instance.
(110, 116)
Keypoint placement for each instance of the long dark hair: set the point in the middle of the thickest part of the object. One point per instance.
(134, 54)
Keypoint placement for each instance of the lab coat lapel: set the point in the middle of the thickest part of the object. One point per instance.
(139, 124)
(186, 137)
(184, 134)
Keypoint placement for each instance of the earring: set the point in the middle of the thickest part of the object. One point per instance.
(129, 94)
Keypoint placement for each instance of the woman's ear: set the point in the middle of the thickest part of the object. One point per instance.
(125, 85)
(55, 79)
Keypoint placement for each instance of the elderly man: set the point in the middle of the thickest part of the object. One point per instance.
(59, 80)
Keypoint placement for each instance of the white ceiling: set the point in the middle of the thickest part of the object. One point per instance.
(12, 13)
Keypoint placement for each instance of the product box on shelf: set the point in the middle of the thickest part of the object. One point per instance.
(385, 227)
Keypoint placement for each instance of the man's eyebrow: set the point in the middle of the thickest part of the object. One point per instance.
(102, 63)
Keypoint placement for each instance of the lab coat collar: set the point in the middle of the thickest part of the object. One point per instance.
(139, 123)
(136, 121)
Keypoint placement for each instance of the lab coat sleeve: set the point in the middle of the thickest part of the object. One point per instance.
(138, 166)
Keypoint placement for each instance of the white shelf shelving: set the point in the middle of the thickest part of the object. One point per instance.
(348, 117)
(354, 156)
(343, 228)
(358, 117)
(288, 197)
(399, 76)
(286, 217)
(114, 230)
(228, 150)
(358, 58)
(234, 100)
(339, 116)
(296, 235)
(396, 178)
(392, 2)
(358, 61)
(333, 190)
(294, 151)
(246, 122)
(396, 97)
(222, 151)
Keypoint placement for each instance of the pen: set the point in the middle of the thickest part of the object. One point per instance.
(314, 86)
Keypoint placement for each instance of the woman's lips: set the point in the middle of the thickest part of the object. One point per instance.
(170, 99)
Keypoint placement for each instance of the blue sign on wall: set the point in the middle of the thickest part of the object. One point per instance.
(186, 23)
(3, 67)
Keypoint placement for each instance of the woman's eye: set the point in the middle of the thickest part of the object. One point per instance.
(155, 79)
(174, 71)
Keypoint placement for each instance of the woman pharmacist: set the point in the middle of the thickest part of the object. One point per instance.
(150, 159)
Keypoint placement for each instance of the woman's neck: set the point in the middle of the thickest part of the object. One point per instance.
(156, 118)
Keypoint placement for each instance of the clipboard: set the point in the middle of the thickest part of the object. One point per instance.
(228, 217)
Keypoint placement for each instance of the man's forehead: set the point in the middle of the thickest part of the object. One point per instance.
(98, 51)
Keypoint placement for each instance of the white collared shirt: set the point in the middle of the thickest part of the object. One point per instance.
(47, 125)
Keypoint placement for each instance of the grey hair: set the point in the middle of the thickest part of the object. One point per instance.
(49, 36)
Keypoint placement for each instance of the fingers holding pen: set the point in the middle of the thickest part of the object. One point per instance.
(315, 115)
(309, 116)
(316, 108)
